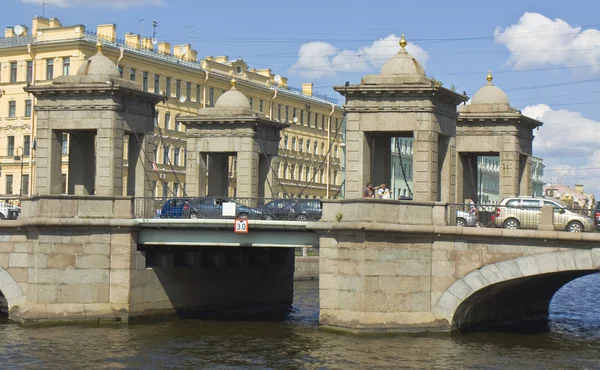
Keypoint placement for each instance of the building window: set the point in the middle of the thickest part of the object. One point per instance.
(293, 113)
(188, 91)
(285, 142)
(321, 176)
(175, 189)
(65, 143)
(29, 71)
(176, 124)
(167, 120)
(250, 101)
(335, 175)
(322, 148)
(157, 84)
(300, 142)
(12, 109)
(168, 87)
(165, 154)
(9, 184)
(211, 96)
(260, 105)
(307, 178)
(198, 94)
(13, 72)
(11, 146)
(335, 128)
(25, 184)
(335, 152)
(49, 69)
(66, 66)
(287, 115)
(121, 71)
(315, 144)
(176, 156)
(26, 144)
(293, 143)
(307, 146)
(308, 117)
(279, 112)
(28, 108)
(145, 81)
(132, 74)
(300, 168)
(322, 122)
(301, 117)
(177, 88)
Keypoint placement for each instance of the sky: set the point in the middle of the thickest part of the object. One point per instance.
(544, 54)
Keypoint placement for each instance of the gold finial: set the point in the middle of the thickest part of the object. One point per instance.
(99, 46)
(233, 82)
(489, 77)
(403, 42)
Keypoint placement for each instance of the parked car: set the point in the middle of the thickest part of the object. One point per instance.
(525, 212)
(172, 208)
(466, 219)
(8, 211)
(293, 209)
(212, 207)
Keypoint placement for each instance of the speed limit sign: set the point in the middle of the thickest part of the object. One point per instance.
(241, 225)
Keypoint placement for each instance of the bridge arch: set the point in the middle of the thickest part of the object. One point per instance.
(514, 290)
(10, 289)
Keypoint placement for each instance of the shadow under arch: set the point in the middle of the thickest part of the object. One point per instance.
(11, 290)
(516, 291)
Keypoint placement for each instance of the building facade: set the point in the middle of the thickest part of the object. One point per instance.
(309, 151)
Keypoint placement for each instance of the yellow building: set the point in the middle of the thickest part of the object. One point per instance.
(310, 149)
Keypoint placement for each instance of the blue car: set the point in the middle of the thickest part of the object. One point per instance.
(173, 208)
(212, 207)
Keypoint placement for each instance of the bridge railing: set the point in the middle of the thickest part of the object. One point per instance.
(494, 215)
(286, 209)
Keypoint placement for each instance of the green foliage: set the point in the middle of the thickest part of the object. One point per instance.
(338, 216)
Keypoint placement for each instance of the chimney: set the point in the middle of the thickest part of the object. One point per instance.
(164, 48)
(9, 32)
(132, 40)
(39, 23)
(54, 23)
(107, 31)
(307, 89)
(579, 188)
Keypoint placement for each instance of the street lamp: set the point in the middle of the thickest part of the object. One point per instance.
(20, 158)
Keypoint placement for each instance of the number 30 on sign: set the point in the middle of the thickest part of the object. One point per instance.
(241, 225)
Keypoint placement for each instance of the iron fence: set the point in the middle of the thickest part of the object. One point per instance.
(286, 209)
(508, 217)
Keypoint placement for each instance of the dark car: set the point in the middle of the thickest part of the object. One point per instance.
(212, 207)
(293, 209)
(172, 208)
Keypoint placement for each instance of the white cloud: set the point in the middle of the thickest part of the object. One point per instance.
(321, 59)
(568, 142)
(537, 40)
(101, 3)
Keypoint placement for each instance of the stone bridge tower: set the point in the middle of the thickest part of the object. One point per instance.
(489, 126)
(401, 102)
(97, 108)
(231, 129)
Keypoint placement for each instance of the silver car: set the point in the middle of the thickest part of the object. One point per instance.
(466, 219)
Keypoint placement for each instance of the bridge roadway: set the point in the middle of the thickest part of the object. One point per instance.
(384, 266)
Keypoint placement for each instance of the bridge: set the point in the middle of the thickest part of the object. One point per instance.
(385, 265)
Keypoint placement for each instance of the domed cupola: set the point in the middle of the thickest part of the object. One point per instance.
(402, 64)
(233, 99)
(99, 65)
(490, 94)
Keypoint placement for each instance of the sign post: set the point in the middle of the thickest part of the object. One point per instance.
(240, 226)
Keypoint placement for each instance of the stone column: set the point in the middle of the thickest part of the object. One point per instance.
(218, 166)
(425, 164)
(358, 163)
(140, 165)
(109, 161)
(49, 160)
(81, 163)
(447, 168)
(526, 183)
(509, 174)
(247, 174)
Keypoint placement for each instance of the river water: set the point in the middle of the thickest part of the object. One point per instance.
(571, 342)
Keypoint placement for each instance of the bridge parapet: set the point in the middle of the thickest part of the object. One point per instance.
(384, 211)
(77, 206)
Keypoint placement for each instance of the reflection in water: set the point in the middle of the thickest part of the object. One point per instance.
(573, 341)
